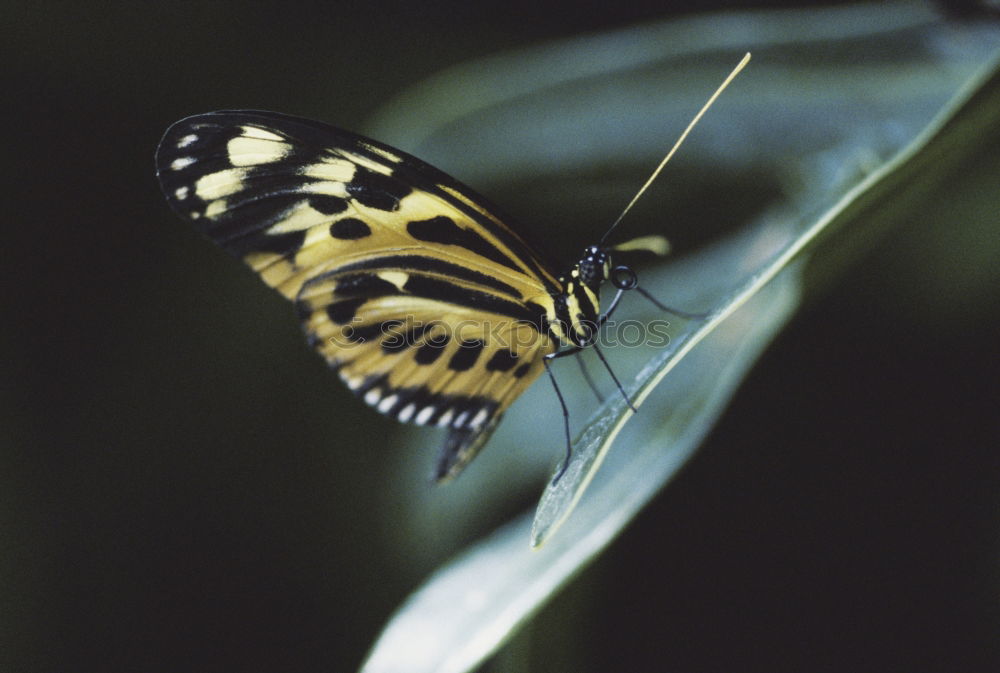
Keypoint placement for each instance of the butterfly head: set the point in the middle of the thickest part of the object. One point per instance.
(576, 310)
(594, 267)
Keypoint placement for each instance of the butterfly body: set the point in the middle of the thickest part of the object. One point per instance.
(430, 308)
(575, 309)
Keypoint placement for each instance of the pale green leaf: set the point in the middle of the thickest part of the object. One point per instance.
(855, 115)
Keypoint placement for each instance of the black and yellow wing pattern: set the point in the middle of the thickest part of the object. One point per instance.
(430, 308)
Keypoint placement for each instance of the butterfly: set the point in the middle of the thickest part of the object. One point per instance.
(413, 288)
(417, 292)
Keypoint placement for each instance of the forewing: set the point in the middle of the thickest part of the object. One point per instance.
(411, 287)
(294, 198)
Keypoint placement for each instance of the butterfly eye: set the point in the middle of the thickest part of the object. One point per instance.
(624, 278)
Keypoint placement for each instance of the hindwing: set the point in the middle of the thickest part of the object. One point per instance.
(431, 309)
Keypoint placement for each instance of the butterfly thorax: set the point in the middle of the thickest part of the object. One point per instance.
(574, 311)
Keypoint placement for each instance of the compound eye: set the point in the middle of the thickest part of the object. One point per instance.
(624, 278)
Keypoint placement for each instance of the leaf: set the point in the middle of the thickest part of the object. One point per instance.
(854, 187)
(468, 608)
(975, 110)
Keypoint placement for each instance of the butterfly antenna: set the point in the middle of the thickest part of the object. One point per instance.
(697, 117)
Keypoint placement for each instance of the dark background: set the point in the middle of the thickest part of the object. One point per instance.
(164, 507)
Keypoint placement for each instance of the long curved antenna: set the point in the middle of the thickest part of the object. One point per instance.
(697, 117)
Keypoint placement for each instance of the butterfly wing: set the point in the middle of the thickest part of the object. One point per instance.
(413, 356)
(429, 307)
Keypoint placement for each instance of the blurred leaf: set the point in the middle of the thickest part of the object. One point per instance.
(853, 151)
(856, 222)
(470, 606)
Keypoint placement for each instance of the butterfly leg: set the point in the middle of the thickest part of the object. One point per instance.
(614, 378)
(600, 321)
(562, 403)
(575, 350)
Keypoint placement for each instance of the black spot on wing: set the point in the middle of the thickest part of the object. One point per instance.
(328, 205)
(522, 370)
(443, 230)
(466, 355)
(258, 241)
(431, 350)
(503, 360)
(349, 229)
(397, 341)
(438, 229)
(377, 191)
(342, 312)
